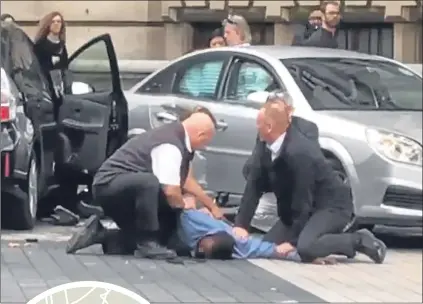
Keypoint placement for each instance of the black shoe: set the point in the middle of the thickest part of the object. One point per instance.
(64, 217)
(92, 232)
(371, 246)
(86, 210)
(152, 250)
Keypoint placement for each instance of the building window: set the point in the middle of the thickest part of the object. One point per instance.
(371, 38)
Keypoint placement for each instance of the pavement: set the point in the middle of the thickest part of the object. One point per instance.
(29, 268)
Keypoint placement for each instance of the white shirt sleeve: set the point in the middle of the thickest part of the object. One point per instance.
(166, 160)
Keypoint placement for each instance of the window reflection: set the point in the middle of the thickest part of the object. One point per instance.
(372, 38)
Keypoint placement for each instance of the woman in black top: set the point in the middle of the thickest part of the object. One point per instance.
(50, 48)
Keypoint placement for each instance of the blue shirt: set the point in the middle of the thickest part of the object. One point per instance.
(195, 225)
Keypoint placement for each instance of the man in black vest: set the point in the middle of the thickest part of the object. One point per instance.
(140, 186)
(314, 205)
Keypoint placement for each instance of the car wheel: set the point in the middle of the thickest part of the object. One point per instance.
(339, 169)
(25, 211)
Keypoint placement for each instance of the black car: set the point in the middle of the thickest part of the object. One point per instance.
(90, 125)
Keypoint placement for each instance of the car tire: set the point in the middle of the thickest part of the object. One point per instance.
(25, 211)
(339, 169)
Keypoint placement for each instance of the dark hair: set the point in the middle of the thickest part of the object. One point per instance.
(326, 3)
(44, 27)
(3, 17)
(204, 110)
(216, 33)
(218, 246)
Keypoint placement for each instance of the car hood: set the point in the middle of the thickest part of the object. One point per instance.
(405, 123)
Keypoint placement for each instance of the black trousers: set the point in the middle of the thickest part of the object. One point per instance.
(116, 242)
(138, 206)
(321, 236)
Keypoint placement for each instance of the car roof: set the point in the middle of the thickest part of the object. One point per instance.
(294, 52)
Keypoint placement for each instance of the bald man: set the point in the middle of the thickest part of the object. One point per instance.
(313, 24)
(314, 205)
(140, 186)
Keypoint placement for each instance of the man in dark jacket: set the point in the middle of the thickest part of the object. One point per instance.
(140, 186)
(314, 206)
(325, 37)
(313, 24)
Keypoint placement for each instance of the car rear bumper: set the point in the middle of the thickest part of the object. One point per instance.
(9, 137)
(11, 144)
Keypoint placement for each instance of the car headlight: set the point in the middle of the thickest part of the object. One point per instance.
(395, 147)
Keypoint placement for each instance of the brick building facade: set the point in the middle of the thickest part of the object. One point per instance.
(165, 29)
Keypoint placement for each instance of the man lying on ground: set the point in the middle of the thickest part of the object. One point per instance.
(198, 232)
(211, 238)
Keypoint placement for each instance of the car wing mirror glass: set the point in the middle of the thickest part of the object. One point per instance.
(79, 88)
(258, 97)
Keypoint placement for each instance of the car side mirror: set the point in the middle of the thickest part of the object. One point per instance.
(79, 88)
(258, 97)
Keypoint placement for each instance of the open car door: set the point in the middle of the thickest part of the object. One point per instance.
(93, 119)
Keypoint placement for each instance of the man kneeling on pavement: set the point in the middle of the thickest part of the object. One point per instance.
(140, 186)
(314, 205)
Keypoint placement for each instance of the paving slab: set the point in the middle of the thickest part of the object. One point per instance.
(28, 270)
(398, 280)
(31, 268)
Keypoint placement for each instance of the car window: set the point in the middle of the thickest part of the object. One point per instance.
(83, 63)
(356, 84)
(200, 80)
(249, 77)
(159, 83)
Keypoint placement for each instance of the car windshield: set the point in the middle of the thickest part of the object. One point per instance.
(356, 84)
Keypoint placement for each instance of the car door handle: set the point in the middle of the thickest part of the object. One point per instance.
(221, 125)
(166, 117)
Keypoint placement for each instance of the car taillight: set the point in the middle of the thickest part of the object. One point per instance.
(8, 100)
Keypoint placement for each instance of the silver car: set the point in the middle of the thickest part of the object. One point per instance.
(368, 110)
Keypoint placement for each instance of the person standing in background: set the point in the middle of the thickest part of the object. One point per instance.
(50, 49)
(237, 31)
(325, 37)
(216, 39)
(313, 24)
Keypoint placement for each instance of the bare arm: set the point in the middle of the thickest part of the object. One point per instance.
(166, 162)
(193, 187)
(174, 196)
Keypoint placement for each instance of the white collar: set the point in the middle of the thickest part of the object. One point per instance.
(187, 141)
(277, 144)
